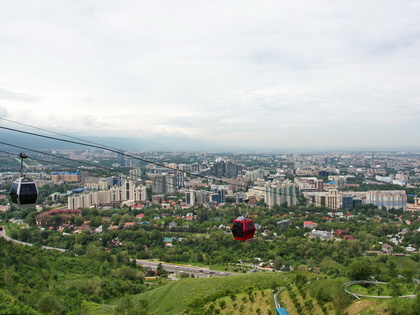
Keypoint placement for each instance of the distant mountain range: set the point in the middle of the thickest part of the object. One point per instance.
(127, 144)
(169, 144)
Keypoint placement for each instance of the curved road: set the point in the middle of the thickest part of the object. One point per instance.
(276, 297)
(196, 271)
(4, 235)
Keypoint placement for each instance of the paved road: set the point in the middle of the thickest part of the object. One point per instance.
(276, 298)
(196, 271)
(3, 234)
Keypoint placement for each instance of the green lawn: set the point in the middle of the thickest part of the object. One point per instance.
(373, 290)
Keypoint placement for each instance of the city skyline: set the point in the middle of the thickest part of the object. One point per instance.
(262, 75)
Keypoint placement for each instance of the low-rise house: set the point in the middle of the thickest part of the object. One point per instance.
(387, 249)
(322, 235)
(266, 233)
(284, 223)
(341, 233)
(117, 243)
(168, 241)
(128, 225)
(394, 240)
(410, 249)
(4, 208)
(82, 228)
(309, 225)
(348, 237)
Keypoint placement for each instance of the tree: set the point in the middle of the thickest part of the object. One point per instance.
(160, 271)
(278, 263)
(392, 268)
(78, 220)
(408, 274)
(394, 288)
(360, 269)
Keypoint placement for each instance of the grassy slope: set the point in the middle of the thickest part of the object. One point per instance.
(175, 297)
(402, 263)
(407, 262)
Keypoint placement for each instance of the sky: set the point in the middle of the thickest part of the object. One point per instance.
(261, 74)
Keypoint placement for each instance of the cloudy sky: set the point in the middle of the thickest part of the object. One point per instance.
(268, 74)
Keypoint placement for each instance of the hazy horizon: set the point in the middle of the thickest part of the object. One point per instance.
(260, 75)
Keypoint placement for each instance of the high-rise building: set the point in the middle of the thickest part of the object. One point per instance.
(190, 197)
(347, 202)
(121, 159)
(65, 177)
(165, 183)
(231, 170)
(277, 193)
(129, 191)
(389, 199)
(202, 196)
(135, 174)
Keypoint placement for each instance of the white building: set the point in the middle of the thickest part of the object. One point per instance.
(389, 199)
(277, 193)
(129, 191)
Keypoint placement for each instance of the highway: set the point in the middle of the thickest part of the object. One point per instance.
(196, 271)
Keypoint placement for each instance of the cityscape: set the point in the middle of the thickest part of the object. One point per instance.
(368, 202)
(209, 157)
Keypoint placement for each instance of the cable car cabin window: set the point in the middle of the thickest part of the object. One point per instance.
(14, 192)
(250, 230)
(28, 193)
(250, 226)
(237, 229)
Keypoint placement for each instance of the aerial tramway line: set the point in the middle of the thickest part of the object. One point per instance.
(24, 191)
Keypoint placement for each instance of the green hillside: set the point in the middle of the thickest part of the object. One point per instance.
(10, 305)
(248, 294)
(192, 294)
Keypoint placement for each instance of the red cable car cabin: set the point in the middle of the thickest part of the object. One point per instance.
(243, 229)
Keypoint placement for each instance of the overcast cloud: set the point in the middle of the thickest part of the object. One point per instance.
(272, 74)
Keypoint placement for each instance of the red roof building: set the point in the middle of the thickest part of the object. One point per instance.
(309, 225)
(47, 217)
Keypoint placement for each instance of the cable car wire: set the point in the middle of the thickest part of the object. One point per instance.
(62, 134)
(117, 151)
(102, 148)
(111, 170)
